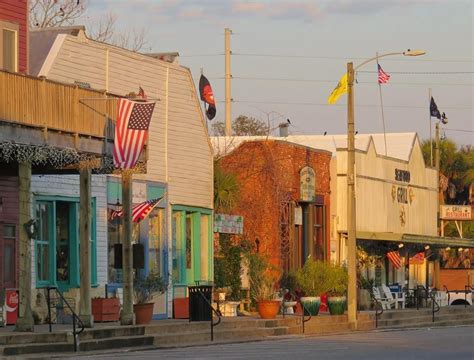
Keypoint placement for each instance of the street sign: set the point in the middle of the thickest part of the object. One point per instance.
(456, 212)
(228, 224)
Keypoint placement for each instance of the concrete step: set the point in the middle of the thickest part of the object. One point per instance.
(28, 338)
(101, 333)
(426, 318)
(116, 342)
(427, 324)
(35, 348)
(319, 329)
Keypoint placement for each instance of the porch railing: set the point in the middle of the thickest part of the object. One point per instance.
(76, 321)
(40, 103)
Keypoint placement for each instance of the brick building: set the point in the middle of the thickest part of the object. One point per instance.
(284, 199)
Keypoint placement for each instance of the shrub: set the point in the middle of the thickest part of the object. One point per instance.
(312, 278)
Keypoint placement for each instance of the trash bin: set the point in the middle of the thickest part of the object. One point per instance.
(199, 308)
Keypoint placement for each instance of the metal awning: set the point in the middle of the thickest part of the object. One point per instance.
(415, 239)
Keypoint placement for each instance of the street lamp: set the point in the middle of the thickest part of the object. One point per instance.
(351, 204)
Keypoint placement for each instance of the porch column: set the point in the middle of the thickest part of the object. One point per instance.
(25, 320)
(127, 316)
(436, 269)
(85, 309)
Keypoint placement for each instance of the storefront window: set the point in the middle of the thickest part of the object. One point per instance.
(176, 245)
(115, 237)
(205, 220)
(43, 214)
(189, 237)
(9, 239)
(155, 236)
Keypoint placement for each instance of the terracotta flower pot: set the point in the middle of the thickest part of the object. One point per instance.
(106, 309)
(268, 309)
(143, 313)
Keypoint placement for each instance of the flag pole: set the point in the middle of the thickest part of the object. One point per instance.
(429, 122)
(381, 106)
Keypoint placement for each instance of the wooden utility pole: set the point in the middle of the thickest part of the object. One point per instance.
(127, 316)
(85, 307)
(25, 320)
(351, 201)
(228, 76)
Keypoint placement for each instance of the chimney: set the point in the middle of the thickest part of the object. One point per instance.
(283, 129)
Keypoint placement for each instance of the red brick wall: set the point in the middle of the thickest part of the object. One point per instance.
(264, 170)
(16, 11)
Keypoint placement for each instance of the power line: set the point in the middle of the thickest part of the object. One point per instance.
(345, 58)
(421, 72)
(343, 105)
(332, 81)
(461, 130)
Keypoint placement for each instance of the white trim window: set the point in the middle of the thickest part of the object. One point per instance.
(9, 46)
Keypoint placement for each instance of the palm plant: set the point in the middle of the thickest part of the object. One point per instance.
(226, 188)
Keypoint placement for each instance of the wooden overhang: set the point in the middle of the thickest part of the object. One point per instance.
(416, 239)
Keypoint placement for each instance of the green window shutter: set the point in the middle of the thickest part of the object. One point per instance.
(94, 245)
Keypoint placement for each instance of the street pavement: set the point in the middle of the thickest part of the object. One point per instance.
(453, 343)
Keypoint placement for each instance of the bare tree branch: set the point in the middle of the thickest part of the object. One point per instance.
(52, 13)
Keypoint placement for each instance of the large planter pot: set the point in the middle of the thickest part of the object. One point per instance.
(337, 305)
(106, 309)
(268, 309)
(311, 305)
(143, 313)
(363, 299)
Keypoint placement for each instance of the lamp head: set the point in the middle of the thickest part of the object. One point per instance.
(410, 52)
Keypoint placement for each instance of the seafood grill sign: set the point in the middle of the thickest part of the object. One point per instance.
(307, 184)
(228, 224)
(456, 212)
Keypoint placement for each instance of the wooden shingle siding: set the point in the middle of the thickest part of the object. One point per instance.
(190, 172)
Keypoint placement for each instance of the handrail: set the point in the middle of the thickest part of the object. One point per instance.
(447, 292)
(433, 301)
(377, 303)
(75, 317)
(217, 312)
(466, 289)
(303, 320)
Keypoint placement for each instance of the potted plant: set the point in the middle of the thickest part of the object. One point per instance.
(337, 279)
(311, 279)
(289, 291)
(265, 295)
(144, 289)
(365, 293)
(106, 309)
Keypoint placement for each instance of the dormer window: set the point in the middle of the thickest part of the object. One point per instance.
(9, 46)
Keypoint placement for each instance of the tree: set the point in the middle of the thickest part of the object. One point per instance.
(226, 189)
(457, 165)
(243, 126)
(55, 13)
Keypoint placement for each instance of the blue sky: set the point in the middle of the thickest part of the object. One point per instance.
(316, 39)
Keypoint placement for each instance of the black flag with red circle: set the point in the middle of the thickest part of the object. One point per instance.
(207, 96)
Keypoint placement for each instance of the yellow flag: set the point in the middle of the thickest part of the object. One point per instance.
(340, 89)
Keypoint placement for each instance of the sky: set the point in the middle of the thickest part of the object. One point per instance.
(287, 56)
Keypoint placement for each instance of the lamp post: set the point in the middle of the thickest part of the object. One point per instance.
(351, 200)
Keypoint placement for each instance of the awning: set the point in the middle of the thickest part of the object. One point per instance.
(416, 239)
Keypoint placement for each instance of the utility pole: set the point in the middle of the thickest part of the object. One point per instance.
(127, 318)
(228, 76)
(351, 201)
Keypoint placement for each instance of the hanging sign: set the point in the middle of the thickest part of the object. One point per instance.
(228, 224)
(307, 184)
(298, 215)
(456, 212)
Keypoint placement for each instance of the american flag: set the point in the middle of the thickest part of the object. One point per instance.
(383, 76)
(395, 259)
(139, 211)
(131, 131)
(418, 258)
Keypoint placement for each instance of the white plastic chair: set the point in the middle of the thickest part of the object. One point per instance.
(399, 297)
(387, 303)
